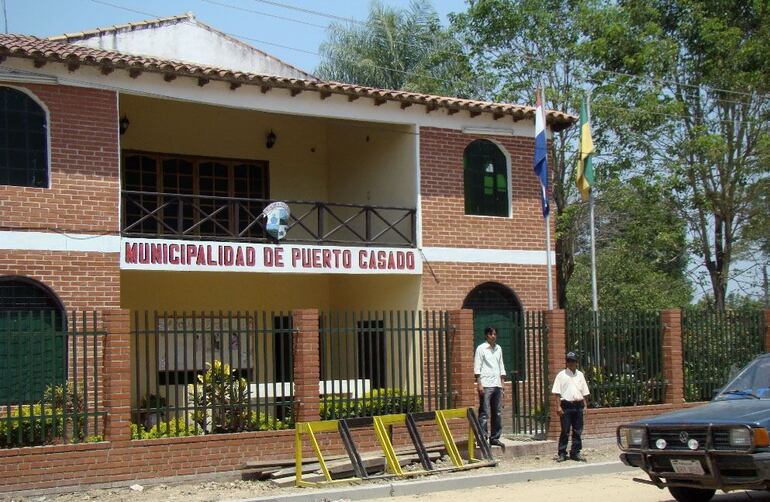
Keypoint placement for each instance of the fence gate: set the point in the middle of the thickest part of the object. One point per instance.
(522, 336)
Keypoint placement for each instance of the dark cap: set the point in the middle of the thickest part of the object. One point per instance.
(571, 356)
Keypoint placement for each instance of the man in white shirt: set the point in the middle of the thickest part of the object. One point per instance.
(570, 385)
(489, 370)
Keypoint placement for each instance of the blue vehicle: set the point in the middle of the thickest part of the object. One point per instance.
(722, 445)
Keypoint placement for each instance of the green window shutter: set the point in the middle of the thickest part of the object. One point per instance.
(485, 179)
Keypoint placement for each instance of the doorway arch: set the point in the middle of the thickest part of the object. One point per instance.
(494, 304)
(33, 340)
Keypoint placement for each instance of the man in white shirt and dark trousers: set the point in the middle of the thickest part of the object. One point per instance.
(489, 370)
(570, 385)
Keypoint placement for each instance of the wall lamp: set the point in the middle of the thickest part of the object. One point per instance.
(123, 124)
(492, 131)
(270, 139)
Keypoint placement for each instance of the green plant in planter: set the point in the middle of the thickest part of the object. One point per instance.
(68, 400)
(220, 399)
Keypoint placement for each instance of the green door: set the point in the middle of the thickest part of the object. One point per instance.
(31, 355)
(502, 321)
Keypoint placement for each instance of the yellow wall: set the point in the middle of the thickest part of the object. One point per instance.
(296, 172)
(313, 159)
(374, 163)
(230, 291)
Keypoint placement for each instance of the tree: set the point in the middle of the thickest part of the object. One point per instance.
(516, 46)
(698, 117)
(641, 251)
(397, 49)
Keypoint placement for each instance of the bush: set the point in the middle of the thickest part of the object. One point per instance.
(69, 400)
(375, 402)
(30, 425)
(61, 412)
(171, 428)
(221, 403)
(610, 389)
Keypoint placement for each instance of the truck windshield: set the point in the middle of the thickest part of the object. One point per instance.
(753, 382)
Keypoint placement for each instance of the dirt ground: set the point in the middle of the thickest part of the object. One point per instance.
(595, 451)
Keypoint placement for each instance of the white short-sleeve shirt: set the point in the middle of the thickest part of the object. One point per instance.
(488, 364)
(570, 386)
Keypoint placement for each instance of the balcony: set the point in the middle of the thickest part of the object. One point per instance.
(202, 217)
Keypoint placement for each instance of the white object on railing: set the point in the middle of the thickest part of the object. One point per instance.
(351, 388)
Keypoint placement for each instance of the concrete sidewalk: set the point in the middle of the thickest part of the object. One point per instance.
(460, 480)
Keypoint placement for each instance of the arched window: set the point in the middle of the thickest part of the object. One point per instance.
(33, 340)
(23, 140)
(495, 305)
(486, 179)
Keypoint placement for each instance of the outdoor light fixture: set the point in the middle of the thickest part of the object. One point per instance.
(270, 139)
(492, 131)
(123, 124)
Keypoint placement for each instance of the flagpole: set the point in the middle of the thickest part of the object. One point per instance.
(549, 288)
(594, 294)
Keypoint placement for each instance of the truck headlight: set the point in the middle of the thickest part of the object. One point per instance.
(756, 437)
(740, 437)
(631, 437)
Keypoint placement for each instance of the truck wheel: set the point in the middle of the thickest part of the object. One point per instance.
(684, 494)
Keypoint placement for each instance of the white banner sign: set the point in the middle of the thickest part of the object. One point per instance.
(161, 254)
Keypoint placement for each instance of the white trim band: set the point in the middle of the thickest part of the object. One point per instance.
(48, 241)
(493, 256)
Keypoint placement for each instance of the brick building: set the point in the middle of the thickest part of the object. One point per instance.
(142, 178)
(137, 164)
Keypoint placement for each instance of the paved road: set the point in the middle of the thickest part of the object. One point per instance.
(616, 487)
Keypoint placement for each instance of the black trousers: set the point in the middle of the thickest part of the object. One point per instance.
(572, 419)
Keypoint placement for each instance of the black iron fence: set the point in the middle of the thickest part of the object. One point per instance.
(375, 363)
(620, 354)
(714, 344)
(51, 383)
(205, 373)
(529, 374)
(185, 216)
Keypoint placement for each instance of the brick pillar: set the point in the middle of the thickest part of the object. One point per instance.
(672, 363)
(464, 393)
(766, 315)
(307, 368)
(117, 375)
(555, 321)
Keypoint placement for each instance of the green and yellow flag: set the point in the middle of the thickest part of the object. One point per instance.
(585, 170)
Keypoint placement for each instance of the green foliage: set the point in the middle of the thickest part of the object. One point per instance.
(396, 49)
(171, 428)
(713, 343)
(376, 402)
(640, 252)
(69, 400)
(221, 403)
(697, 121)
(61, 412)
(612, 388)
(30, 425)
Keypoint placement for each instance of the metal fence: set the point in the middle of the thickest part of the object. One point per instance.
(620, 354)
(714, 344)
(376, 363)
(204, 373)
(51, 383)
(529, 374)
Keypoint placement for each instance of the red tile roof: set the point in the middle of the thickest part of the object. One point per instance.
(44, 51)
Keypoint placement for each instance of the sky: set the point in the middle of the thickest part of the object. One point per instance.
(291, 34)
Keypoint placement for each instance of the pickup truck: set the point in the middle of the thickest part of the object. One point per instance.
(721, 445)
